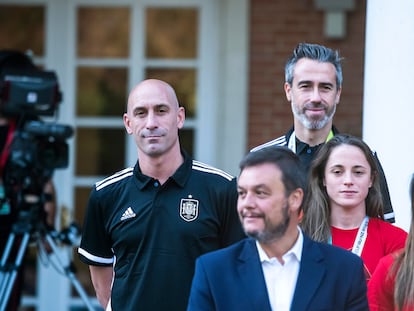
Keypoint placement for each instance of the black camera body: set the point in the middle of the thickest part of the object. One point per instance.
(35, 152)
(29, 92)
(37, 147)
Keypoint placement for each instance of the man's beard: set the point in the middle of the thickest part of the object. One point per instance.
(313, 124)
(272, 232)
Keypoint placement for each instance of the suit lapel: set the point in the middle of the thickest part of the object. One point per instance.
(310, 276)
(252, 278)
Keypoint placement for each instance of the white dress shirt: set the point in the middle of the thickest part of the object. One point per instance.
(281, 278)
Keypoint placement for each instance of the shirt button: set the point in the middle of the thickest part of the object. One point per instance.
(309, 151)
(156, 184)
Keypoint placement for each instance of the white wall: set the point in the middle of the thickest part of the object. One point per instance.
(388, 125)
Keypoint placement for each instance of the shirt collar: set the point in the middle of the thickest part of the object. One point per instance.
(292, 129)
(180, 176)
(295, 251)
(301, 146)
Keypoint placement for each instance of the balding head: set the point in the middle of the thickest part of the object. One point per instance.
(147, 88)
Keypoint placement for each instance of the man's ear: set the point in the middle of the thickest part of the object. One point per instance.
(126, 124)
(288, 89)
(338, 96)
(295, 199)
(180, 117)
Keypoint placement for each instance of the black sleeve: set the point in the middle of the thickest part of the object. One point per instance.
(95, 246)
(388, 210)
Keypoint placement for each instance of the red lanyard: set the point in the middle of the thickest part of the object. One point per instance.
(6, 149)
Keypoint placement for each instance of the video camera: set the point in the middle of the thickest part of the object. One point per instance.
(37, 147)
(32, 150)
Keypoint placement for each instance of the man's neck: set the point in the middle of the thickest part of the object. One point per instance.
(280, 247)
(161, 167)
(312, 137)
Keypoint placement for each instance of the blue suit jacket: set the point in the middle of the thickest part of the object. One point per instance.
(330, 279)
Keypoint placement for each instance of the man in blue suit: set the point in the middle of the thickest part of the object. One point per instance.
(277, 267)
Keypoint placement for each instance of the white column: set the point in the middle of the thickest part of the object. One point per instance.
(53, 289)
(388, 109)
(232, 119)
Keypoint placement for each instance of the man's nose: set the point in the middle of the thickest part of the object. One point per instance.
(151, 121)
(247, 201)
(316, 95)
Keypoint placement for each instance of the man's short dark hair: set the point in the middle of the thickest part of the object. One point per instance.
(286, 160)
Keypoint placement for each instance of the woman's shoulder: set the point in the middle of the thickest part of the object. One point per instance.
(387, 261)
(385, 226)
(392, 236)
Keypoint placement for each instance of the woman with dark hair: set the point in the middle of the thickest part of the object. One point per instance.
(392, 284)
(343, 205)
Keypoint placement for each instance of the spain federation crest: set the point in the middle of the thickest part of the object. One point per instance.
(189, 209)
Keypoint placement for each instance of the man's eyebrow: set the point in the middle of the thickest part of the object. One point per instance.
(305, 81)
(313, 82)
(139, 108)
(254, 186)
(327, 84)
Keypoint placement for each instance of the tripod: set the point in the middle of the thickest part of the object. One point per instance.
(27, 227)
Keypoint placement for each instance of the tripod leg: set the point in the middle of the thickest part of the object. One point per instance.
(3, 263)
(71, 276)
(8, 274)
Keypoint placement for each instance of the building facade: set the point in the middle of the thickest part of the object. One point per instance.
(225, 58)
